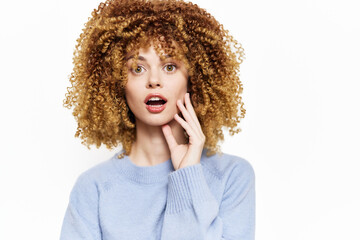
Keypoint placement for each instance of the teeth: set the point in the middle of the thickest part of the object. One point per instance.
(155, 99)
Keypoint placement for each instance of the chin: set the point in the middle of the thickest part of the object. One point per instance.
(157, 120)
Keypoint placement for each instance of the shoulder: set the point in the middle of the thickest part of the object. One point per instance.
(226, 165)
(96, 175)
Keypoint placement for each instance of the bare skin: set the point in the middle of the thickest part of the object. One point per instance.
(160, 136)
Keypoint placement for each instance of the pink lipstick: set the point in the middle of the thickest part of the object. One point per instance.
(155, 102)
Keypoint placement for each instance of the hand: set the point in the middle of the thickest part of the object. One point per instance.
(183, 155)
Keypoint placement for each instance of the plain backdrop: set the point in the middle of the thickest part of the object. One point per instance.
(301, 130)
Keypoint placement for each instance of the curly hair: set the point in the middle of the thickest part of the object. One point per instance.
(99, 76)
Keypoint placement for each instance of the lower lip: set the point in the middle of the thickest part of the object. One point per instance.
(155, 108)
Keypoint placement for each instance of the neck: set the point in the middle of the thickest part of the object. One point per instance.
(150, 147)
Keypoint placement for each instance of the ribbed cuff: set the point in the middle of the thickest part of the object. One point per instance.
(187, 186)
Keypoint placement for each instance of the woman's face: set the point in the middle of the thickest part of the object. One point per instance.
(166, 79)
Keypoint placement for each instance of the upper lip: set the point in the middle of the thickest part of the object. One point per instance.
(150, 95)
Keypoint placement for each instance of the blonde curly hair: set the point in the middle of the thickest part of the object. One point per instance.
(99, 76)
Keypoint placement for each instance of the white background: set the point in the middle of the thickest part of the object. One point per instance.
(301, 130)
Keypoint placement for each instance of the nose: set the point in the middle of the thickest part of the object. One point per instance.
(154, 80)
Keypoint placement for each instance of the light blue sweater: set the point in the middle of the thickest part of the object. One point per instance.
(118, 200)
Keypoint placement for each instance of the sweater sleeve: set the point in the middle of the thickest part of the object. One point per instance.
(81, 216)
(192, 212)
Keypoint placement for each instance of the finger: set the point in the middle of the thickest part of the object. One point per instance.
(191, 110)
(186, 126)
(187, 116)
(170, 139)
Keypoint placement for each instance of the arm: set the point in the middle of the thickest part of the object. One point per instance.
(192, 212)
(81, 217)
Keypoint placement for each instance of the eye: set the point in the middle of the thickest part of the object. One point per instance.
(170, 67)
(137, 70)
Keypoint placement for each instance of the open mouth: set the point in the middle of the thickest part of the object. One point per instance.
(155, 105)
(155, 101)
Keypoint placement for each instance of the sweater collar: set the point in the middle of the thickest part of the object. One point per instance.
(143, 174)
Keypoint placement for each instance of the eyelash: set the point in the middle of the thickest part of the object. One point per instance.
(169, 64)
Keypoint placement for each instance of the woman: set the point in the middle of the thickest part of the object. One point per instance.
(159, 78)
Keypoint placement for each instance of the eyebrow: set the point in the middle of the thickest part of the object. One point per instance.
(142, 58)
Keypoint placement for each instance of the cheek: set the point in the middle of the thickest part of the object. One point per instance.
(134, 97)
(181, 87)
(130, 87)
(129, 94)
(179, 94)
